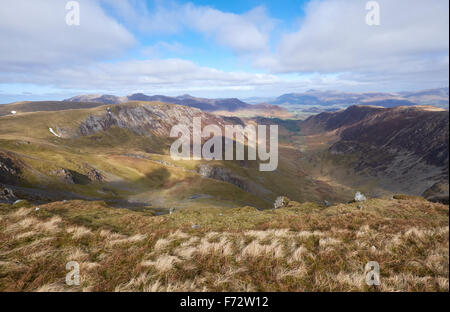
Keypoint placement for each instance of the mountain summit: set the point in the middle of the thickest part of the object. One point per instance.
(229, 104)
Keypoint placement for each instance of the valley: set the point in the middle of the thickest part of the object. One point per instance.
(121, 152)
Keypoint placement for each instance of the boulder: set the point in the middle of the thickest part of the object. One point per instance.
(64, 174)
(280, 202)
(359, 197)
(7, 195)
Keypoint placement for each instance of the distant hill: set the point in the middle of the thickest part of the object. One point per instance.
(230, 104)
(44, 106)
(435, 97)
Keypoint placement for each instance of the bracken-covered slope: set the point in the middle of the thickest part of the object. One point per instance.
(405, 148)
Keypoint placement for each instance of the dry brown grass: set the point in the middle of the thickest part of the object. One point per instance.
(299, 248)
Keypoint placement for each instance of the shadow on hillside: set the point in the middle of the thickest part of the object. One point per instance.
(158, 178)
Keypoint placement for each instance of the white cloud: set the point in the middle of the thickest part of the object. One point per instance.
(243, 33)
(35, 34)
(333, 48)
(333, 37)
(170, 74)
(39, 51)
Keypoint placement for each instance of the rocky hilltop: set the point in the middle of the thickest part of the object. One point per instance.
(143, 119)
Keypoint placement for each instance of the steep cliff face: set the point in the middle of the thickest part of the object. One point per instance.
(146, 119)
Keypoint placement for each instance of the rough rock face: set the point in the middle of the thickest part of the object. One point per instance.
(93, 174)
(221, 174)
(70, 176)
(9, 169)
(7, 195)
(65, 175)
(280, 202)
(146, 119)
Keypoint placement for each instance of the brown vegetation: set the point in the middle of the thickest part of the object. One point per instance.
(302, 247)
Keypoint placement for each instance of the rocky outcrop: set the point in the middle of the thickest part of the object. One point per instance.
(281, 202)
(68, 176)
(9, 169)
(7, 195)
(146, 119)
(221, 174)
(93, 174)
(64, 174)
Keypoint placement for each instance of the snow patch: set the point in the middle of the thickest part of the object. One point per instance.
(54, 133)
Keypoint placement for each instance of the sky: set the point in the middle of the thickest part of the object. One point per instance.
(220, 48)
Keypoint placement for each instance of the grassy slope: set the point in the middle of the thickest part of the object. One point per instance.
(303, 247)
(28, 138)
(27, 107)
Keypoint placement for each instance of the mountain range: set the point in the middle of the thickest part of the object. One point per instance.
(231, 104)
(436, 97)
(307, 103)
